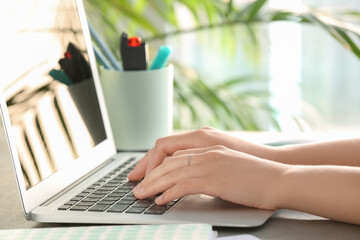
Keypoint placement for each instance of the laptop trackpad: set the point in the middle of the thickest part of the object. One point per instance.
(215, 211)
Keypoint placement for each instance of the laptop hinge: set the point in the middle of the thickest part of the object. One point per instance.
(80, 180)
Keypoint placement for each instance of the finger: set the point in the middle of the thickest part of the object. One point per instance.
(171, 164)
(139, 170)
(197, 150)
(167, 181)
(168, 145)
(155, 159)
(185, 187)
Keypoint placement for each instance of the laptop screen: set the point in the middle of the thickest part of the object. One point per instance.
(48, 87)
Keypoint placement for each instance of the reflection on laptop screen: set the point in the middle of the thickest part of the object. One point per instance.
(49, 88)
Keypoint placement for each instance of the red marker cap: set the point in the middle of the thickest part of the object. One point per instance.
(134, 42)
(67, 55)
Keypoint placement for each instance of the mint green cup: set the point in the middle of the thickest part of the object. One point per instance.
(140, 106)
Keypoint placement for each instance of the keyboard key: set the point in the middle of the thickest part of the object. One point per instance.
(142, 204)
(99, 208)
(97, 195)
(111, 198)
(131, 194)
(79, 208)
(111, 185)
(171, 203)
(130, 160)
(92, 187)
(118, 208)
(76, 199)
(116, 181)
(116, 194)
(121, 190)
(70, 203)
(101, 192)
(105, 202)
(160, 207)
(129, 188)
(106, 188)
(87, 190)
(91, 199)
(155, 211)
(130, 198)
(126, 202)
(100, 182)
(85, 203)
(151, 199)
(132, 183)
(82, 194)
(64, 207)
(135, 210)
(122, 175)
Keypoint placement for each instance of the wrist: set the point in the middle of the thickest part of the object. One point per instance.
(277, 188)
(271, 153)
(279, 154)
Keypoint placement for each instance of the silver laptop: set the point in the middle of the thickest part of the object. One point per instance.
(66, 165)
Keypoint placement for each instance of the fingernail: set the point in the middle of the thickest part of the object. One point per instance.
(159, 199)
(138, 190)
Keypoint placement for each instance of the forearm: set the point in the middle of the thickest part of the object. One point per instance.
(341, 152)
(328, 191)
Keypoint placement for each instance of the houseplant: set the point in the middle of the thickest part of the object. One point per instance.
(223, 104)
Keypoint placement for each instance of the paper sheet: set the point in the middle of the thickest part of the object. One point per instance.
(239, 237)
(129, 232)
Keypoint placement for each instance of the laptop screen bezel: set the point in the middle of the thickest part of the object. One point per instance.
(61, 179)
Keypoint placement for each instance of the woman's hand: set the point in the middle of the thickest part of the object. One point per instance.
(202, 138)
(217, 171)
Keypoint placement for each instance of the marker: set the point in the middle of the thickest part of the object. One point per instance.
(60, 76)
(161, 57)
(134, 53)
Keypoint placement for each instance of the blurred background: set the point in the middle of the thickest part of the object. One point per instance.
(269, 65)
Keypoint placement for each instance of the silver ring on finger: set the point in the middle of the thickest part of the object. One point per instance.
(189, 159)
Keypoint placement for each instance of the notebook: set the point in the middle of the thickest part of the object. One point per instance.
(66, 166)
(133, 232)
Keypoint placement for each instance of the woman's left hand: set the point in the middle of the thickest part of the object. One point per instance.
(216, 171)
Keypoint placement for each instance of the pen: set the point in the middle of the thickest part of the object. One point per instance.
(161, 57)
(113, 63)
(102, 59)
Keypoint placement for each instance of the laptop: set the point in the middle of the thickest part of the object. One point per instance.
(66, 165)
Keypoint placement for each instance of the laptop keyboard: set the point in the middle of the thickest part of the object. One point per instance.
(113, 193)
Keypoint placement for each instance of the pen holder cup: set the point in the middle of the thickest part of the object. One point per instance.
(140, 106)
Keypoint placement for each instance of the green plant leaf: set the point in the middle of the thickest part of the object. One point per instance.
(249, 13)
(338, 33)
(351, 45)
(165, 9)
